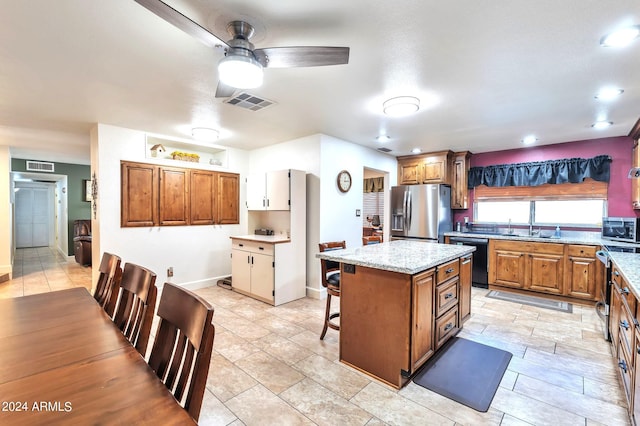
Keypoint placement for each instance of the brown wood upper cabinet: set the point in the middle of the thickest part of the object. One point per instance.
(635, 183)
(433, 167)
(154, 195)
(460, 172)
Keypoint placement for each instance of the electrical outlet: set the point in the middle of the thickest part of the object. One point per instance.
(170, 271)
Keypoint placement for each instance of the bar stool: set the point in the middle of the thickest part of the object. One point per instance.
(331, 281)
(373, 239)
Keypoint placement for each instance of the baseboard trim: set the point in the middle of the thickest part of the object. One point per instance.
(317, 293)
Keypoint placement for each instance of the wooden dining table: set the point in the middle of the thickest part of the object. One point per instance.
(63, 361)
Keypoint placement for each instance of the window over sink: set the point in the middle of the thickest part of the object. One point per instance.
(582, 204)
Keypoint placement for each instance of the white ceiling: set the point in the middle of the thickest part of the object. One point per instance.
(500, 69)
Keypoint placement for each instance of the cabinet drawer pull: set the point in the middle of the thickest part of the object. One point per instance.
(466, 261)
(241, 245)
(616, 273)
(448, 296)
(450, 270)
(260, 248)
(623, 365)
(625, 291)
(638, 349)
(449, 326)
(624, 324)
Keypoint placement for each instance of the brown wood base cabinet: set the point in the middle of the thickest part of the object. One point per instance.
(391, 323)
(568, 271)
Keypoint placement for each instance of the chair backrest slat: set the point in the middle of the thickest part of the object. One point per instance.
(183, 344)
(108, 281)
(136, 305)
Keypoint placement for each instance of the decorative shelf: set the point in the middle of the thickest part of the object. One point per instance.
(210, 154)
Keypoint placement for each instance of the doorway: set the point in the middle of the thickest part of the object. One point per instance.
(34, 214)
(39, 211)
(373, 202)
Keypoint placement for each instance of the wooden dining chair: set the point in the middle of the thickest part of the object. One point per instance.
(136, 305)
(331, 281)
(108, 279)
(182, 346)
(373, 239)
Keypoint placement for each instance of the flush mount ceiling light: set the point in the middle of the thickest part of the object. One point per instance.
(602, 124)
(530, 139)
(416, 150)
(608, 93)
(621, 37)
(205, 134)
(383, 138)
(401, 106)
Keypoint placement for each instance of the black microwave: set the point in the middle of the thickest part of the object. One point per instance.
(621, 229)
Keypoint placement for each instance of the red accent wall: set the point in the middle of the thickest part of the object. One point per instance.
(618, 148)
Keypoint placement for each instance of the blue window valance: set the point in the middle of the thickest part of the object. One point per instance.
(573, 170)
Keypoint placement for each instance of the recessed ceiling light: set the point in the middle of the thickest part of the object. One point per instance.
(608, 93)
(603, 124)
(621, 37)
(401, 106)
(416, 150)
(383, 138)
(205, 134)
(530, 139)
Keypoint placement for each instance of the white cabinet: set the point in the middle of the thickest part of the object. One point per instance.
(252, 265)
(269, 191)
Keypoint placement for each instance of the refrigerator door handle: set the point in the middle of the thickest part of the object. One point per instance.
(404, 207)
(408, 211)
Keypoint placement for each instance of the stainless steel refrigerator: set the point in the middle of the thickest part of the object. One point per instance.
(421, 212)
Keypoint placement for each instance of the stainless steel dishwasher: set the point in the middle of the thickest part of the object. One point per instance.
(480, 273)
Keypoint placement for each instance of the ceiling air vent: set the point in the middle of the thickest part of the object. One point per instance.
(384, 149)
(39, 166)
(248, 101)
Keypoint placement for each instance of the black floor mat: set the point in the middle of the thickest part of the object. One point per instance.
(465, 371)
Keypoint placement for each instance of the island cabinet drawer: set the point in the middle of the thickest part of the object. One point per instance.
(447, 270)
(621, 286)
(253, 246)
(446, 326)
(627, 327)
(446, 296)
(625, 370)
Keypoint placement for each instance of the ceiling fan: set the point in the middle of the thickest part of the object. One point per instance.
(242, 66)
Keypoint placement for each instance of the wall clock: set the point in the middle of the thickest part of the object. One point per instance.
(344, 181)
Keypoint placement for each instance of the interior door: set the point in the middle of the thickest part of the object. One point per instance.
(33, 216)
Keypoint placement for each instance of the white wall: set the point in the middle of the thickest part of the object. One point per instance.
(199, 255)
(330, 213)
(6, 224)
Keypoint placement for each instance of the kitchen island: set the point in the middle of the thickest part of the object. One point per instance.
(400, 301)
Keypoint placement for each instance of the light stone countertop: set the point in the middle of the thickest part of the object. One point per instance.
(629, 265)
(273, 239)
(587, 238)
(404, 256)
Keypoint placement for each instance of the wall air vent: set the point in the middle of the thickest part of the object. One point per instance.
(248, 101)
(39, 166)
(384, 149)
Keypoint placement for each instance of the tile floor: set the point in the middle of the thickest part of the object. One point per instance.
(270, 368)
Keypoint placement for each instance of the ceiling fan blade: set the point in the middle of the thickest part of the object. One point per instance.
(301, 56)
(224, 91)
(180, 21)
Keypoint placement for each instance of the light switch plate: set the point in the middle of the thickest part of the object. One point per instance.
(357, 212)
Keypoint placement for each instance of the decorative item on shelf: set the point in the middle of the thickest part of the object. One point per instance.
(185, 156)
(157, 149)
(94, 194)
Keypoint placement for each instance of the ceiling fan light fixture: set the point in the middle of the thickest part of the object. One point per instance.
(205, 134)
(241, 72)
(401, 106)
